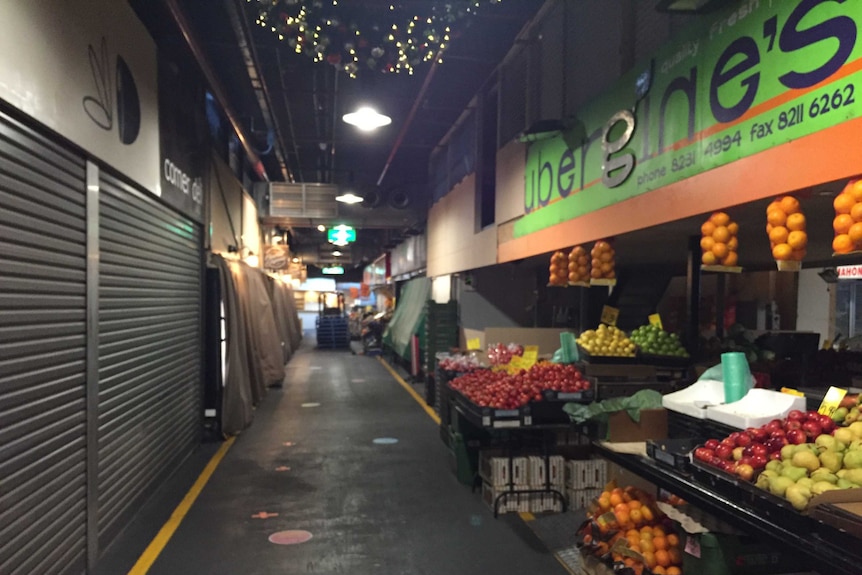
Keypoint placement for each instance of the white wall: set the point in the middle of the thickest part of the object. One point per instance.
(814, 304)
(453, 245)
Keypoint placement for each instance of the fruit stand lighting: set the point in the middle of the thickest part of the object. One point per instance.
(367, 119)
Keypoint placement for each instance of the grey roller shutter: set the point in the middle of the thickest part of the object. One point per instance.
(42, 355)
(149, 347)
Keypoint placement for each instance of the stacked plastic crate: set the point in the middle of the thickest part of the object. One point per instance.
(585, 479)
(441, 335)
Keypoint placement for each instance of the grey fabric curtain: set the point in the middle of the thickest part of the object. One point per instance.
(237, 408)
(267, 338)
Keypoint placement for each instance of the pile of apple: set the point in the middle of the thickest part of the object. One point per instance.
(744, 453)
(500, 390)
(459, 362)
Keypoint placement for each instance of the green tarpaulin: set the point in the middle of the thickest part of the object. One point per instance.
(409, 317)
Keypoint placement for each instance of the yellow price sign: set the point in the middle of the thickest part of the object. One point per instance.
(791, 391)
(655, 319)
(531, 352)
(474, 344)
(832, 401)
(610, 315)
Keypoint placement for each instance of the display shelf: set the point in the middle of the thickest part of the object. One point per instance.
(819, 545)
(603, 282)
(722, 269)
(534, 415)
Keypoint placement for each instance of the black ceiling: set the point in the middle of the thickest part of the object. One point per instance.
(307, 99)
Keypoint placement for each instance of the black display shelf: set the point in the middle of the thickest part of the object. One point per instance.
(816, 543)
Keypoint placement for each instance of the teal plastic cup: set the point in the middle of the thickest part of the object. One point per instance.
(736, 375)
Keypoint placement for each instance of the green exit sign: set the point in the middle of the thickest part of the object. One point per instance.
(341, 235)
(333, 271)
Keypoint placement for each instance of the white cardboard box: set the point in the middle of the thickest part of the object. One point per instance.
(586, 473)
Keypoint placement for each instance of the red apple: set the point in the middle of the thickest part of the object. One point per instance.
(760, 434)
(794, 424)
(745, 471)
(796, 436)
(704, 454)
(744, 440)
(774, 455)
(827, 423)
(759, 449)
(724, 451)
(738, 453)
(759, 461)
(796, 415)
(812, 428)
(734, 437)
(778, 433)
(774, 444)
(711, 444)
(809, 415)
(728, 466)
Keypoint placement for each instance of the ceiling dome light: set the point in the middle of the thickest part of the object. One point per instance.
(337, 253)
(367, 119)
(349, 198)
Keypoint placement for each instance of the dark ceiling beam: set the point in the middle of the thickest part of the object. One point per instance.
(215, 86)
(239, 24)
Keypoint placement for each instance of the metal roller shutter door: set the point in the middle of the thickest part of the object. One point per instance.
(149, 347)
(43, 358)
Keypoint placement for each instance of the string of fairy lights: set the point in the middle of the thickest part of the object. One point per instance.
(370, 35)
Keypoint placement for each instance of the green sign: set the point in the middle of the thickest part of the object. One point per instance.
(342, 235)
(333, 271)
(744, 80)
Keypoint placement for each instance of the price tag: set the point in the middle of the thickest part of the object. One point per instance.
(655, 319)
(518, 363)
(531, 352)
(790, 391)
(474, 344)
(610, 315)
(832, 401)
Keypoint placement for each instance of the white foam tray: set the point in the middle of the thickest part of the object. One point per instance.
(758, 407)
(694, 399)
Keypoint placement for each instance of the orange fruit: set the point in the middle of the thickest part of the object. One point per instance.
(730, 260)
(602, 245)
(607, 267)
(647, 513)
(606, 257)
(657, 531)
(843, 203)
(646, 530)
(855, 190)
(782, 252)
(796, 222)
(673, 570)
(769, 229)
(659, 542)
(842, 244)
(721, 234)
(633, 540)
(647, 545)
(649, 559)
(659, 570)
(778, 235)
(733, 228)
(798, 240)
(706, 243)
(662, 558)
(776, 218)
(635, 546)
(637, 517)
(709, 259)
(620, 507)
(855, 233)
(789, 205)
(672, 540)
(856, 212)
(622, 517)
(775, 205)
(719, 219)
(633, 533)
(634, 504)
(707, 228)
(841, 224)
(720, 250)
(604, 502)
(596, 263)
(675, 556)
(798, 255)
(733, 244)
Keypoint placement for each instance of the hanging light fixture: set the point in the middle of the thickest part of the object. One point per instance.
(349, 198)
(367, 119)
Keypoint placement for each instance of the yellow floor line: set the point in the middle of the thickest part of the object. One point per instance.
(428, 409)
(526, 517)
(151, 553)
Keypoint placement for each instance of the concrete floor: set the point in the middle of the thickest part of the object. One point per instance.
(387, 509)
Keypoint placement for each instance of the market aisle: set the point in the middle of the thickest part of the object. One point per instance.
(386, 509)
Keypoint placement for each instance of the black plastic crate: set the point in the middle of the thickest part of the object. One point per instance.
(675, 453)
(606, 359)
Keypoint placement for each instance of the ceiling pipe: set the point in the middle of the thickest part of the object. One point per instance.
(215, 86)
(239, 23)
(286, 101)
(416, 104)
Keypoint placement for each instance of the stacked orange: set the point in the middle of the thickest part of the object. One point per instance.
(559, 270)
(603, 261)
(785, 226)
(579, 265)
(848, 219)
(719, 241)
(637, 522)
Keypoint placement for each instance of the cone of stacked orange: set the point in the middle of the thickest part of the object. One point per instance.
(559, 270)
(785, 226)
(579, 266)
(719, 241)
(603, 261)
(848, 219)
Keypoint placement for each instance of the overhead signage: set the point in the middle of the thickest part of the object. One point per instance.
(748, 78)
(341, 235)
(849, 272)
(333, 270)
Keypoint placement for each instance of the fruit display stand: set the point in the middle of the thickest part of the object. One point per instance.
(816, 543)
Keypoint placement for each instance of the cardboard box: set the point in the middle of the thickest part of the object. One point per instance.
(547, 338)
(586, 474)
(494, 468)
(840, 508)
(511, 503)
(652, 425)
(555, 468)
